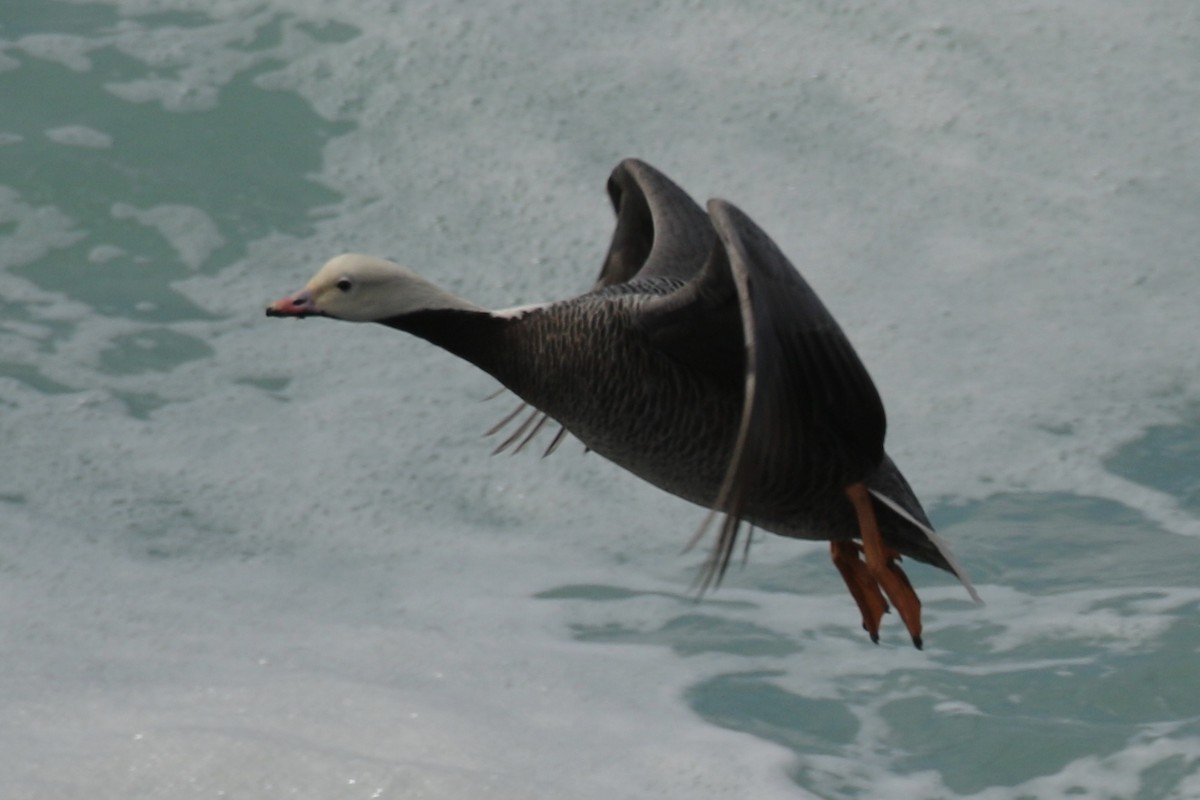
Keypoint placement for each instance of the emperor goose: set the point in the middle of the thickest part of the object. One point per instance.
(700, 361)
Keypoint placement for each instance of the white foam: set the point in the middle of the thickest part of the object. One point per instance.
(188, 229)
(104, 253)
(201, 59)
(37, 230)
(80, 136)
(66, 49)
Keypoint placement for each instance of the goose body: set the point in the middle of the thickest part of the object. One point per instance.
(700, 361)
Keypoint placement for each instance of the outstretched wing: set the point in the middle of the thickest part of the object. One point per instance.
(660, 232)
(810, 410)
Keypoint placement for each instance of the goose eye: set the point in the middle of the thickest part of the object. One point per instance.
(344, 284)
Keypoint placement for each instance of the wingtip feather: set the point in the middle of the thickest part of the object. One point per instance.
(940, 544)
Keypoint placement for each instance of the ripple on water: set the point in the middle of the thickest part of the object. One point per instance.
(1164, 457)
(1084, 653)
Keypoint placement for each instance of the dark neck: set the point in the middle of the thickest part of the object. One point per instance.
(474, 336)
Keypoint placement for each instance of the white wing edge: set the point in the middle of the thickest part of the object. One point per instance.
(941, 545)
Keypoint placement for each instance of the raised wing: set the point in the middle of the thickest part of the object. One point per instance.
(660, 231)
(810, 413)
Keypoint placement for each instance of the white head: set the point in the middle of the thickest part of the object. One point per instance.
(365, 289)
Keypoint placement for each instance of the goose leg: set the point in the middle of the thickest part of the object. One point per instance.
(881, 563)
(863, 587)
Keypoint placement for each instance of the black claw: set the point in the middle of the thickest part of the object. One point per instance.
(918, 643)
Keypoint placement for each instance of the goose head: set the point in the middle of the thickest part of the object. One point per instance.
(361, 288)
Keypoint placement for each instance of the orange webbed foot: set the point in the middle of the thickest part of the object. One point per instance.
(880, 564)
(863, 587)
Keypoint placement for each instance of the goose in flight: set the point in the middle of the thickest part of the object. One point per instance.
(700, 361)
